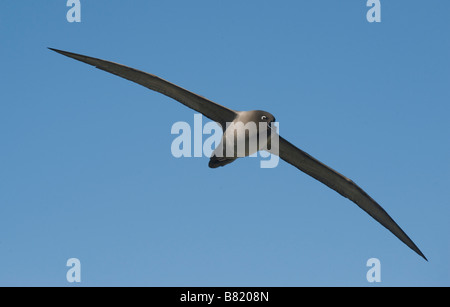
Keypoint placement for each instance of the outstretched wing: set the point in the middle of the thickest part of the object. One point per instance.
(210, 109)
(343, 186)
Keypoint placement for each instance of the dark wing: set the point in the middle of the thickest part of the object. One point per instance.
(210, 109)
(343, 186)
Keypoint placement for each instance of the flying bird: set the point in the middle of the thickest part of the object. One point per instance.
(285, 150)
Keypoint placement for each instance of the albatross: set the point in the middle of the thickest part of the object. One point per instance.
(284, 149)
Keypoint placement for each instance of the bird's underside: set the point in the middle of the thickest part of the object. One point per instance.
(286, 151)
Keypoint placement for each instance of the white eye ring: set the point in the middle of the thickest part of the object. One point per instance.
(263, 117)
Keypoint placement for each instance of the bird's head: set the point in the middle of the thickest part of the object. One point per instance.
(265, 117)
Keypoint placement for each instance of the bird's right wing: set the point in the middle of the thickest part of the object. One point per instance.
(210, 109)
(342, 185)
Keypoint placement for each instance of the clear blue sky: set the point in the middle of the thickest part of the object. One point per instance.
(86, 169)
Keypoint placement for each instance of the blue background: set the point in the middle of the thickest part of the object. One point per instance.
(86, 169)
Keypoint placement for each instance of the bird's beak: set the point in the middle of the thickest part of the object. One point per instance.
(272, 126)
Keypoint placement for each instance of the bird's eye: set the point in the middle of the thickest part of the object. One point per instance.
(263, 117)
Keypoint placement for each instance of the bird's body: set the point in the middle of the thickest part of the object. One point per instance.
(228, 150)
(247, 134)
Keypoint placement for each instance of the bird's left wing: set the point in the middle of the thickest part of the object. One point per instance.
(342, 185)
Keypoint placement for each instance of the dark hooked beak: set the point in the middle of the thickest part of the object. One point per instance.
(271, 126)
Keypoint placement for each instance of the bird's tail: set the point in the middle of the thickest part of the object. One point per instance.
(215, 162)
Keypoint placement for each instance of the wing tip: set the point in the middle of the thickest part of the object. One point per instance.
(422, 255)
(56, 50)
(66, 53)
(416, 249)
